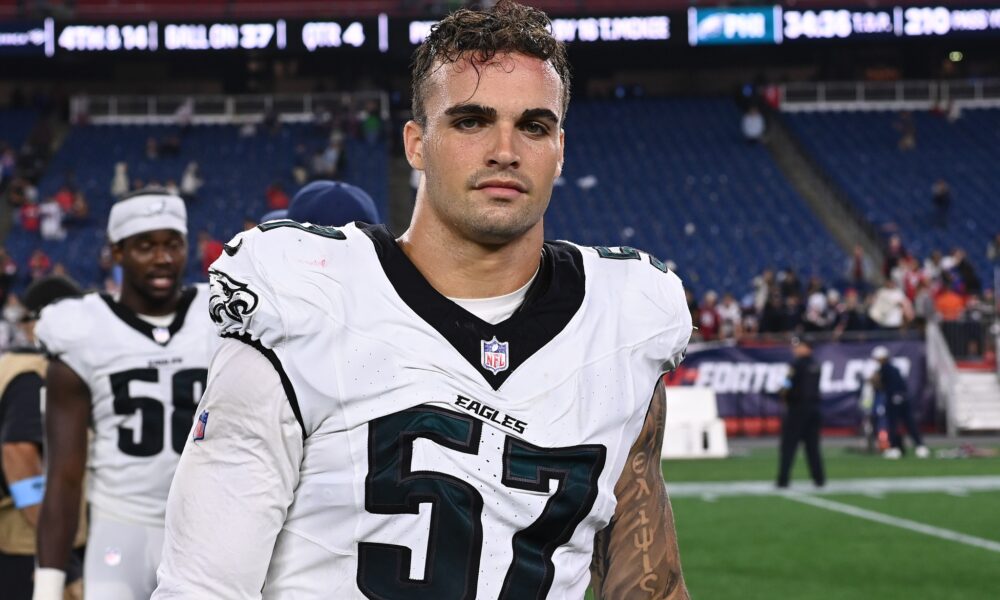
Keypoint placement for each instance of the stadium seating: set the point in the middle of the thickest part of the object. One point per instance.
(236, 171)
(675, 178)
(892, 188)
(15, 125)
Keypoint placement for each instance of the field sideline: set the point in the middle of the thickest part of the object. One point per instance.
(880, 529)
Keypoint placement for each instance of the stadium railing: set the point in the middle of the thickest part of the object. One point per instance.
(889, 95)
(217, 109)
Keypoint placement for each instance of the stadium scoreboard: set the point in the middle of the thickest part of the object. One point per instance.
(700, 26)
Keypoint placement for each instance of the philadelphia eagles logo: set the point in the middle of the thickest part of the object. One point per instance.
(230, 300)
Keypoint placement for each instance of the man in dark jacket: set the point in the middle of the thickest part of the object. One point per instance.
(802, 418)
(889, 381)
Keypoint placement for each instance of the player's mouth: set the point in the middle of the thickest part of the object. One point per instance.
(162, 282)
(501, 188)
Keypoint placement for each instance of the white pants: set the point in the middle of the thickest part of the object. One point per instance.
(121, 559)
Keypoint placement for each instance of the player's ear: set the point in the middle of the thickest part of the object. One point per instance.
(413, 144)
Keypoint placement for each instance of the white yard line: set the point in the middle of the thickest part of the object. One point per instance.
(861, 513)
(872, 486)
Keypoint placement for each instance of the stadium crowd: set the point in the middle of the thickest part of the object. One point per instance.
(913, 291)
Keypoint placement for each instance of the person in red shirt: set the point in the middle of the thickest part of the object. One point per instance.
(31, 217)
(209, 249)
(277, 199)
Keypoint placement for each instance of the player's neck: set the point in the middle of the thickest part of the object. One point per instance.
(461, 268)
(139, 304)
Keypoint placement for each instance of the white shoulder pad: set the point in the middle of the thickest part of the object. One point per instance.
(650, 297)
(64, 327)
(269, 283)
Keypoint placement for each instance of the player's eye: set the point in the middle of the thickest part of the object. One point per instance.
(468, 123)
(535, 128)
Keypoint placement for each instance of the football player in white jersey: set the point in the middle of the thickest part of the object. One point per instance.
(133, 368)
(467, 411)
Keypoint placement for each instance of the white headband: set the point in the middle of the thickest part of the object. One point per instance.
(147, 212)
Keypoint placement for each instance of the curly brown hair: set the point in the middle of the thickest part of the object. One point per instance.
(481, 35)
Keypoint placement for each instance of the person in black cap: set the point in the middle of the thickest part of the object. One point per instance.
(802, 420)
(22, 478)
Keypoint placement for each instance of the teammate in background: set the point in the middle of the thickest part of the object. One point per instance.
(802, 421)
(325, 202)
(22, 481)
(134, 367)
(466, 411)
(890, 383)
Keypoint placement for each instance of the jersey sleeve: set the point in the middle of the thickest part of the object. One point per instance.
(63, 329)
(233, 485)
(242, 300)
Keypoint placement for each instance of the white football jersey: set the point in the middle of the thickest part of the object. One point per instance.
(145, 383)
(445, 457)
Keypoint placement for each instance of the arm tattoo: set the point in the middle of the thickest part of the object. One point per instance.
(636, 555)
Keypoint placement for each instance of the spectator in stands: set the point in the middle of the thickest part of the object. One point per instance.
(64, 197)
(276, 197)
(730, 318)
(859, 271)
(948, 303)
(191, 182)
(51, 220)
(8, 163)
(752, 125)
(172, 188)
(29, 217)
(152, 148)
(893, 253)
(791, 316)
(907, 131)
(138, 184)
(209, 249)
(890, 308)
(802, 420)
(941, 199)
(692, 303)
(851, 314)
(300, 165)
(816, 317)
(119, 182)
(789, 283)
(763, 285)
(22, 192)
(8, 273)
(708, 317)
(923, 305)
(371, 122)
(772, 315)
(993, 249)
(889, 381)
(908, 275)
(39, 264)
(933, 269)
(970, 281)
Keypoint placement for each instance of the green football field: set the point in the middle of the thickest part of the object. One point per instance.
(886, 530)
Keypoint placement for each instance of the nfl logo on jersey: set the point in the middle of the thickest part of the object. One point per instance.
(494, 355)
(199, 427)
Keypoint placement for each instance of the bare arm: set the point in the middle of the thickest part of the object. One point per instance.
(66, 417)
(636, 556)
(22, 460)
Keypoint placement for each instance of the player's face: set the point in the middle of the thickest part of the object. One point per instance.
(152, 266)
(491, 148)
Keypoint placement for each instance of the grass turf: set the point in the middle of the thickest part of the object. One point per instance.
(773, 547)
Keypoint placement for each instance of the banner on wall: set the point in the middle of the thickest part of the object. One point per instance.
(746, 380)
